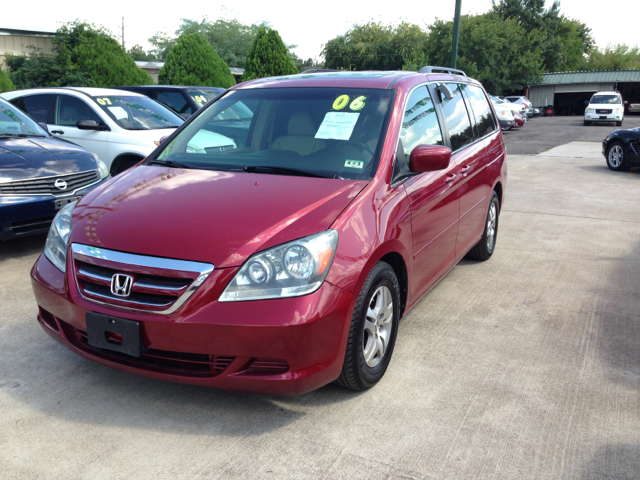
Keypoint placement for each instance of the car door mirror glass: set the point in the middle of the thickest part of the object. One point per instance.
(429, 158)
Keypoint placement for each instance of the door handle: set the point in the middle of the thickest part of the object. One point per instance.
(465, 169)
(449, 178)
(60, 132)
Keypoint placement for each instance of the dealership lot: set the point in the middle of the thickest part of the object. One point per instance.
(525, 366)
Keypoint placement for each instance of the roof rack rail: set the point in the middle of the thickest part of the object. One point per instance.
(441, 69)
(320, 70)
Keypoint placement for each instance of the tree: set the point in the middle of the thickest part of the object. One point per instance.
(268, 56)
(613, 57)
(5, 82)
(139, 55)
(83, 55)
(192, 61)
(497, 52)
(374, 46)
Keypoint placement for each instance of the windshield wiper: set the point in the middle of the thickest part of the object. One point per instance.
(282, 170)
(13, 135)
(169, 163)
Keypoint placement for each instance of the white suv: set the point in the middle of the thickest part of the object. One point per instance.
(122, 128)
(605, 107)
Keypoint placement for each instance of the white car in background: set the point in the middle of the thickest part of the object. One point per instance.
(605, 107)
(122, 128)
(504, 105)
(524, 101)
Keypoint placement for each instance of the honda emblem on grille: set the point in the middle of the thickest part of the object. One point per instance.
(121, 285)
(60, 184)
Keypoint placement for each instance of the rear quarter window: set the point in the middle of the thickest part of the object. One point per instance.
(456, 118)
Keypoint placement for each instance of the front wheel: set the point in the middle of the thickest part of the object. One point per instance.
(616, 158)
(487, 244)
(374, 326)
(619, 124)
(587, 123)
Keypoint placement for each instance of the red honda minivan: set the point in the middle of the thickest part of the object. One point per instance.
(273, 242)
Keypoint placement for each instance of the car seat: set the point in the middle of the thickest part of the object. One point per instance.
(300, 138)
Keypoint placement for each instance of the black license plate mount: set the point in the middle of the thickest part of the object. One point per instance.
(113, 333)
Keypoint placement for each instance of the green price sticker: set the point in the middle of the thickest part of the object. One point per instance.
(104, 101)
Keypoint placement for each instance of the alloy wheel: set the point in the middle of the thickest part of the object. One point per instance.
(378, 324)
(491, 226)
(616, 156)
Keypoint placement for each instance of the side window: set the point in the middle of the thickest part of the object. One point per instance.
(37, 106)
(71, 110)
(485, 122)
(175, 101)
(420, 124)
(456, 118)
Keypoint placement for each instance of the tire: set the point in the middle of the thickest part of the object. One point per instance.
(487, 244)
(617, 157)
(368, 355)
(586, 123)
(619, 124)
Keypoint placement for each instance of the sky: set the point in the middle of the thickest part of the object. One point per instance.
(306, 24)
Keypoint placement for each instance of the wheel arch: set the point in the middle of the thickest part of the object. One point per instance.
(123, 159)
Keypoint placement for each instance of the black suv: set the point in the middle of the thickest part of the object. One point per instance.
(185, 101)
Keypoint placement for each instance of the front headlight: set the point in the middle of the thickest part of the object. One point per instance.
(290, 270)
(590, 110)
(58, 239)
(102, 168)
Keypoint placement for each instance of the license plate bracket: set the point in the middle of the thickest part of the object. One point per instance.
(603, 117)
(113, 333)
(61, 202)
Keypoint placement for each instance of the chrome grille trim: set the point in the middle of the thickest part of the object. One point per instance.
(87, 253)
(45, 185)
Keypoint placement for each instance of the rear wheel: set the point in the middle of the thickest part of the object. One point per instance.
(487, 244)
(374, 326)
(616, 157)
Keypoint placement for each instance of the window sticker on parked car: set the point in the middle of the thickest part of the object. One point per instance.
(103, 101)
(343, 100)
(337, 126)
(201, 99)
(118, 112)
(354, 164)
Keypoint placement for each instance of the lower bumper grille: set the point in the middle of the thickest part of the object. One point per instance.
(162, 361)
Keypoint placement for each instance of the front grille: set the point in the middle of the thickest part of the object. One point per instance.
(26, 227)
(159, 285)
(46, 185)
(161, 361)
(604, 111)
(635, 146)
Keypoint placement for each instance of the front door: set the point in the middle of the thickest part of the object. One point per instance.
(69, 110)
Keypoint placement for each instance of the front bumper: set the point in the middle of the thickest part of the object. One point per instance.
(22, 215)
(308, 333)
(597, 117)
(506, 124)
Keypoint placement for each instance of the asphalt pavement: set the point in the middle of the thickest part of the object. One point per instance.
(543, 133)
(524, 366)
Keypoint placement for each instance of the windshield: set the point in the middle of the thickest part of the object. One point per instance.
(606, 99)
(14, 122)
(495, 99)
(202, 97)
(329, 132)
(138, 113)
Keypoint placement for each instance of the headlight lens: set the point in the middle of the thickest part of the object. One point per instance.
(290, 270)
(58, 239)
(590, 110)
(102, 168)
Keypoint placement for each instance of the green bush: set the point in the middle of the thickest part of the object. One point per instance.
(5, 82)
(192, 61)
(268, 56)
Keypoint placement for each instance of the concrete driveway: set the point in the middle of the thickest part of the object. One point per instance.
(524, 366)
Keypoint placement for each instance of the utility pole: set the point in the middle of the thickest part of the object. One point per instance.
(122, 32)
(456, 34)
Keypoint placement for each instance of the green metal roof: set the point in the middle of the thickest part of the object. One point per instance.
(590, 77)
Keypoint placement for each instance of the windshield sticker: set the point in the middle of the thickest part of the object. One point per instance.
(343, 100)
(118, 112)
(354, 164)
(337, 126)
(103, 101)
(201, 99)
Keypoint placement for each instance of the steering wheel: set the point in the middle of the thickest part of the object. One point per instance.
(363, 145)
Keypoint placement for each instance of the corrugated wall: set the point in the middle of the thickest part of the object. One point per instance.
(19, 45)
(542, 95)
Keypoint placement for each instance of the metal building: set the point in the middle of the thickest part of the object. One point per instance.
(567, 91)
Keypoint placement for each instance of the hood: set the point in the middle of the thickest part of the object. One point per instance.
(32, 157)
(207, 216)
(608, 106)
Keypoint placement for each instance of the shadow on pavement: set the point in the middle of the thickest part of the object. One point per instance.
(619, 461)
(22, 247)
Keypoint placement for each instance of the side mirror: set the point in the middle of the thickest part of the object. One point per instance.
(89, 125)
(625, 103)
(44, 127)
(429, 158)
(586, 103)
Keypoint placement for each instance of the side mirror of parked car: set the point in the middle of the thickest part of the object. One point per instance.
(625, 103)
(429, 158)
(586, 103)
(89, 125)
